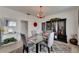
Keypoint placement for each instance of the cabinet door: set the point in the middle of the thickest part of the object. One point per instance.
(62, 27)
(62, 31)
(55, 28)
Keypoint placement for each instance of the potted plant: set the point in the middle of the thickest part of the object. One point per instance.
(8, 40)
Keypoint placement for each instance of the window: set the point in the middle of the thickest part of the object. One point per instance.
(11, 23)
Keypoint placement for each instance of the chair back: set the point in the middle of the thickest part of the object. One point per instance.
(23, 38)
(51, 39)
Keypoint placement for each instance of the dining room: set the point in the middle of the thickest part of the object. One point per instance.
(39, 29)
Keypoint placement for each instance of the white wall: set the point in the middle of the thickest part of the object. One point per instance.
(72, 21)
(31, 27)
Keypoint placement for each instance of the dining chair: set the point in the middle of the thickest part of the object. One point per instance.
(49, 43)
(26, 44)
(25, 47)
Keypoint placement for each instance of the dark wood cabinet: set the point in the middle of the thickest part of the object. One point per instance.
(59, 27)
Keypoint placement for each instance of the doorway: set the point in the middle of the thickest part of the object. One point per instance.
(24, 28)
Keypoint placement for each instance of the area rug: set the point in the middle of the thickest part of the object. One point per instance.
(58, 47)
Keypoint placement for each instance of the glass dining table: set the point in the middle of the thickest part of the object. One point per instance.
(36, 40)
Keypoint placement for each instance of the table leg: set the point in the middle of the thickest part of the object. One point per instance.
(37, 48)
(48, 50)
(27, 49)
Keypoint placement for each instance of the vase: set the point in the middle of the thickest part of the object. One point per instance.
(74, 41)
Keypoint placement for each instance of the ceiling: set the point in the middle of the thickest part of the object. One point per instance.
(48, 10)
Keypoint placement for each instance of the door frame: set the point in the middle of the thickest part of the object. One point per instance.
(27, 25)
